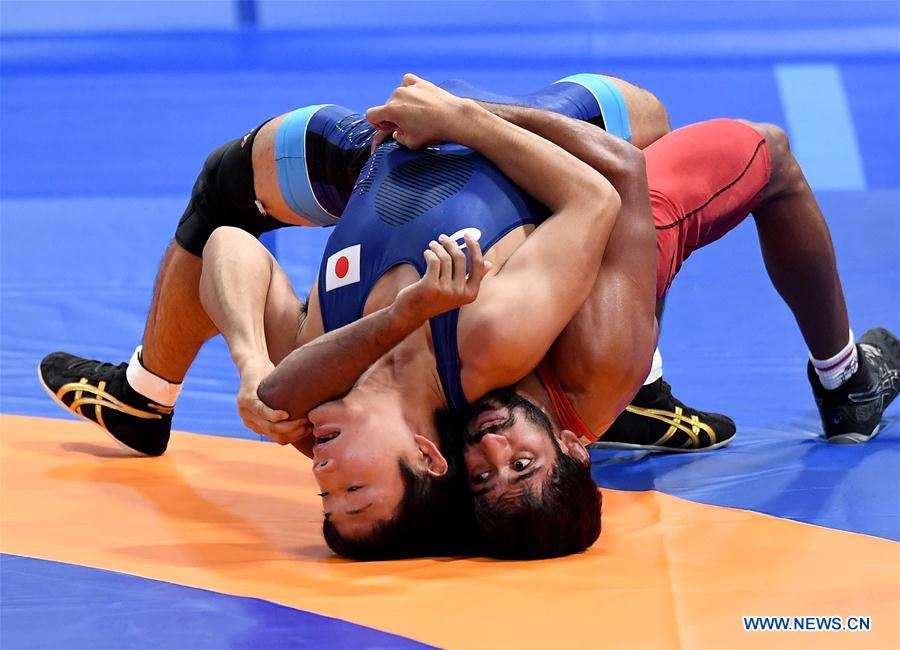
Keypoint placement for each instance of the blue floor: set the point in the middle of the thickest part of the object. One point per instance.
(131, 612)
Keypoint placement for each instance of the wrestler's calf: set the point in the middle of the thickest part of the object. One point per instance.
(797, 249)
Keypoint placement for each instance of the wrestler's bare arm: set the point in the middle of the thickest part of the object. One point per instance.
(525, 306)
(604, 353)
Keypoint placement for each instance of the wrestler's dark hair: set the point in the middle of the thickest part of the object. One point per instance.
(563, 519)
(434, 516)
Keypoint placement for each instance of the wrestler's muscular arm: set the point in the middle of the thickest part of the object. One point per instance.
(603, 355)
(525, 306)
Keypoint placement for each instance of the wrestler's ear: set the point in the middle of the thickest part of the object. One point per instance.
(430, 457)
(573, 448)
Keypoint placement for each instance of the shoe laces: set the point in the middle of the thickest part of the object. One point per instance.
(665, 388)
(96, 369)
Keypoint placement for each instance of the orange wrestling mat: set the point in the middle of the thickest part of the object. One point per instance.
(241, 517)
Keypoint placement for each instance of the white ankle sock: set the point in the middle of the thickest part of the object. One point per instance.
(148, 384)
(655, 369)
(836, 370)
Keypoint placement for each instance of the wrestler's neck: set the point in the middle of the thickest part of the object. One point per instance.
(408, 373)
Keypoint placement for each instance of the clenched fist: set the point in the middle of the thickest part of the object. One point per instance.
(418, 114)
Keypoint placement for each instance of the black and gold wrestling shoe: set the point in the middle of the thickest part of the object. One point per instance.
(656, 420)
(851, 413)
(99, 393)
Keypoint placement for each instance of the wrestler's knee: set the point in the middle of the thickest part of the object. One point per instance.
(786, 175)
(776, 139)
(646, 113)
(228, 239)
(655, 119)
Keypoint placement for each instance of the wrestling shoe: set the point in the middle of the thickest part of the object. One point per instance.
(656, 420)
(851, 413)
(99, 393)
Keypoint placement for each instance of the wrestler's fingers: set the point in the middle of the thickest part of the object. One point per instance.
(381, 117)
(270, 415)
(458, 258)
(380, 137)
(478, 266)
(432, 267)
(409, 141)
(280, 432)
(409, 79)
(286, 432)
(444, 257)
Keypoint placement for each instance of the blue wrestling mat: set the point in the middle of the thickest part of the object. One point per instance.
(108, 111)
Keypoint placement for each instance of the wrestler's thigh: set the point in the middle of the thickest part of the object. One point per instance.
(649, 118)
(704, 179)
(284, 315)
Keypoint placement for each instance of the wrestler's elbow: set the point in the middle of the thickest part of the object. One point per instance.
(624, 163)
(604, 200)
(506, 370)
(621, 371)
(631, 160)
(273, 392)
(504, 356)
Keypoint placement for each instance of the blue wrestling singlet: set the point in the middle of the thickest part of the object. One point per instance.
(403, 199)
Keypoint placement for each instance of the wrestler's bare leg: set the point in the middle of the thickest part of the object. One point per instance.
(177, 325)
(798, 252)
(799, 257)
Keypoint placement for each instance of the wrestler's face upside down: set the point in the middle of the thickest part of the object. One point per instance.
(512, 449)
(380, 479)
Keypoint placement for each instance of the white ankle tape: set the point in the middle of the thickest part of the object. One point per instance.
(148, 384)
(835, 370)
(656, 369)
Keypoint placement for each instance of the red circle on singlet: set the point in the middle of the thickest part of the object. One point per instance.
(341, 267)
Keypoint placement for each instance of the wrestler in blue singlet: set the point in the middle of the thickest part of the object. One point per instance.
(403, 199)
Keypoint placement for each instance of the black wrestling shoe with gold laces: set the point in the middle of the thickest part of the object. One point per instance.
(99, 393)
(851, 413)
(658, 421)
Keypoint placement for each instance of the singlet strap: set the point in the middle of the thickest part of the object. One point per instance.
(446, 352)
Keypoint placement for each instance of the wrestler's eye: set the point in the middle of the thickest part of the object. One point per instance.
(323, 494)
(353, 488)
(521, 464)
(480, 478)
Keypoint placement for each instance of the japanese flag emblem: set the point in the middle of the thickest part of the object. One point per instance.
(342, 268)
